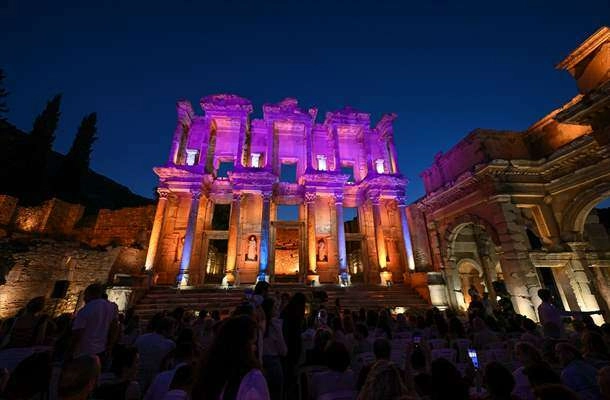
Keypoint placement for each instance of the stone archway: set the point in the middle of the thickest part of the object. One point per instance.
(471, 275)
(575, 216)
(472, 259)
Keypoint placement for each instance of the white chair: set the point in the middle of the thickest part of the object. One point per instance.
(448, 354)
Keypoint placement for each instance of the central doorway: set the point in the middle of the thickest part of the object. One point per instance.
(287, 251)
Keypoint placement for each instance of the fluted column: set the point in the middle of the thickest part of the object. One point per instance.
(264, 251)
(375, 198)
(233, 233)
(240, 145)
(393, 156)
(183, 275)
(583, 282)
(309, 142)
(406, 234)
(343, 272)
(336, 150)
(153, 243)
(310, 200)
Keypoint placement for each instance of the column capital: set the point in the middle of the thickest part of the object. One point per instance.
(401, 200)
(163, 193)
(196, 193)
(374, 196)
(310, 196)
(237, 196)
(338, 198)
(266, 195)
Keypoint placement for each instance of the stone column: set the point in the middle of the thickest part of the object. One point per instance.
(343, 272)
(375, 198)
(156, 229)
(233, 236)
(406, 234)
(310, 200)
(240, 144)
(264, 251)
(309, 143)
(583, 282)
(336, 150)
(183, 276)
(393, 155)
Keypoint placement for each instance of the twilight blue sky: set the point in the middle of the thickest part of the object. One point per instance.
(445, 67)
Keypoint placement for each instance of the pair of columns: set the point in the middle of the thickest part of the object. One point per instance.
(235, 234)
(382, 252)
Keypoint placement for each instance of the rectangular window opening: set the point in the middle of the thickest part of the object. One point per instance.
(350, 219)
(288, 172)
(220, 219)
(223, 168)
(287, 212)
(348, 170)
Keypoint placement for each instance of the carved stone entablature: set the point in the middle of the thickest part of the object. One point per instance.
(385, 181)
(550, 260)
(252, 179)
(219, 103)
(288, 109)
(324, 179)
(384, 126)
(178, 172)
(289, 189)
(589, 109)
(348, 116)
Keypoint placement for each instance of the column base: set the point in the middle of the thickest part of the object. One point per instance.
(262, 277)
(386, 278)
(312, 280)
(182, 280)
(228, 280)
(344, 279)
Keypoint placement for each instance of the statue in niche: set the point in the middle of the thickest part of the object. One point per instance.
(179, 248)
(251, 254)
(322, 252)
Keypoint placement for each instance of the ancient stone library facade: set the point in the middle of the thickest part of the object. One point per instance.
(292, 197)
(230, 180)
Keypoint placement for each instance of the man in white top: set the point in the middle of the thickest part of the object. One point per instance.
(153, 347)
(95, 326)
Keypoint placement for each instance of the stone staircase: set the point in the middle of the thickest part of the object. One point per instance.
(161, 298)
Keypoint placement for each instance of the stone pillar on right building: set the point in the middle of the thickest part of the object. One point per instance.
(582, 282)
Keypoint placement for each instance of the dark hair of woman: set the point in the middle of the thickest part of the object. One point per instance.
(230, 357)
(268, 304)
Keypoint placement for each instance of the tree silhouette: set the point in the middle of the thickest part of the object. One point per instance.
(39, 147)
(3, 96)
(75, 164)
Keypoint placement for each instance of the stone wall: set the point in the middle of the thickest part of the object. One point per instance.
(54, 216)
(126, 227)
(38, 264)
(8, 205)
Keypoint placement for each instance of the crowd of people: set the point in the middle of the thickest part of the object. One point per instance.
(280, 346)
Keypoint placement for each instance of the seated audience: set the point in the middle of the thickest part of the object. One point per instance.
(338, 378)
(78, 377)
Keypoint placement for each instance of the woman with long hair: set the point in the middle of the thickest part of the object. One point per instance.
(230, 369)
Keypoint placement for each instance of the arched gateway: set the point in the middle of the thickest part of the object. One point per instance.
(219, 217)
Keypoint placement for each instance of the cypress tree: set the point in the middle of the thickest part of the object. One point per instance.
(39, 147)
(75, 164)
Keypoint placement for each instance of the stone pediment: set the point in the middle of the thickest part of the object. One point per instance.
(324, 178)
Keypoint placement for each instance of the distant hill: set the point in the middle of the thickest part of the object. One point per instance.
(97, 191)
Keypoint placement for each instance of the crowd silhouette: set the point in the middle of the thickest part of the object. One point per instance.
(280, 346)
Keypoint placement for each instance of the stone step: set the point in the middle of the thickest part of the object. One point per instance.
(162, 298)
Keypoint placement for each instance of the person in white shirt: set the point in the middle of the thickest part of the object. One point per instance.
(153, 348)
(160, 386)
(230, 368)
(95, 327)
